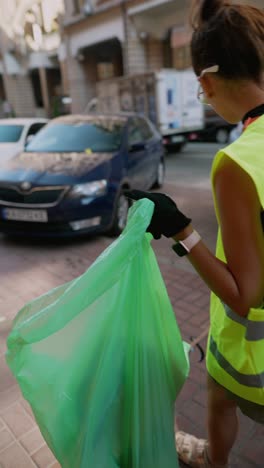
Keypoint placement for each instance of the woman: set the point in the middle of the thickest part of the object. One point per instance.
(228, 57)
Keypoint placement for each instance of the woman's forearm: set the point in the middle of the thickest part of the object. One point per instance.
(216, 275)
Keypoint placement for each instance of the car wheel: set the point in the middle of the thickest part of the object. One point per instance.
(160, 175)
(222, 135)
(120, 216)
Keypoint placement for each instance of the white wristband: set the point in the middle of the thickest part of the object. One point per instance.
(190, 241)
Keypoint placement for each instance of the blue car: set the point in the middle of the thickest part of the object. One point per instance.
(71, 177)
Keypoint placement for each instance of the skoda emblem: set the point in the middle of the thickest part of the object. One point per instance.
(25, 185)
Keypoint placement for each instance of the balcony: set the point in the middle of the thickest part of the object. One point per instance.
(156, 17)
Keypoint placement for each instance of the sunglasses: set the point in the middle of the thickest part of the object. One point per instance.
(200, 93)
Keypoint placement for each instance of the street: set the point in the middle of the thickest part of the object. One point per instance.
(93, 95)
(191, 167)
(30, 268)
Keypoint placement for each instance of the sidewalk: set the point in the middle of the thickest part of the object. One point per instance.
(27, 272)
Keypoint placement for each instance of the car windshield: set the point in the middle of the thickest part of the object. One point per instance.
(94, 135)
(10, 133)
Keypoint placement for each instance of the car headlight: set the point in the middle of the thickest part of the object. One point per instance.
(90, 189)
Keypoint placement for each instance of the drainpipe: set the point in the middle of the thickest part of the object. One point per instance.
(44, 89)
(126, 36)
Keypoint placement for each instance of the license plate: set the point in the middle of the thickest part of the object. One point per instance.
(35, 216)
(177, 139)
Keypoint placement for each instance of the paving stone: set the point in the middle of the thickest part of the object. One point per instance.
(8, 397)
(7, 380)
(27, 408)
(182, 423)
(32, 441)
(195, 412)
(197, 374)
(239, 462)
(188, 392)
(3, 336)
(17, 420)
(6, 438)
(55, 465)
(43, 457)
(200, 318)
(51, 264)
(201, 397)
(15, 457)
(189, 309)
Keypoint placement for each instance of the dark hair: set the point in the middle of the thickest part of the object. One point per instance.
(231, 36)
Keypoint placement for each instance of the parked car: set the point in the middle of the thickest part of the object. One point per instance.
(216, 129)
(71, 178)
(15, 134)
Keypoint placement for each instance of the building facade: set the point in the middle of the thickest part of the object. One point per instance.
(57, 50)
(30, 72)
(108, 38)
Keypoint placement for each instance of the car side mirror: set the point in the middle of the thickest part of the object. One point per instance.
(136, 147)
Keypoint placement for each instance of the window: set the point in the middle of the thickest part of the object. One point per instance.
(145, 129)
(77, 4)
(10, 133)
(92, 136)
(35, 128)
(81, 6)
(134, 134)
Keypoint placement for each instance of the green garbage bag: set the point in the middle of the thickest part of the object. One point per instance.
(100, 359)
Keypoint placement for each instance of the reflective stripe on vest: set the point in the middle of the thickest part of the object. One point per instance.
(235, 352)
(254, 331)
(253, 380)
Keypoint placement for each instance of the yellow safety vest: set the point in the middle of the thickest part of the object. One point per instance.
(235, 351)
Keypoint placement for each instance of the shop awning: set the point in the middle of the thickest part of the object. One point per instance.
(41, 60)
(100, 32)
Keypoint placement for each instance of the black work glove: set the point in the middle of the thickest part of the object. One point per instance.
(167, 220)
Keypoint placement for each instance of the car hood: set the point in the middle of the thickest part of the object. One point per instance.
(67, 168)
(8, 151)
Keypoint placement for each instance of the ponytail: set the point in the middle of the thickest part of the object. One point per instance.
(203, 11)
(231, 36)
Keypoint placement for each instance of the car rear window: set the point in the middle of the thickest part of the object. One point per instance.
(97, 136)
(10, 133)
